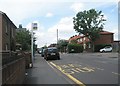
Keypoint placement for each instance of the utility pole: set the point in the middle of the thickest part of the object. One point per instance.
(57, 37)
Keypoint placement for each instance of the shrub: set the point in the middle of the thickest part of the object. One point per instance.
(74, 48)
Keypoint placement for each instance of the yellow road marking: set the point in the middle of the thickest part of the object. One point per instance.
(75, 70)
(99, 68)
(71, 65)
(68, 71)
(65, 66)
(59, 73)
(80, 70)
(68, 75)
(88, 69)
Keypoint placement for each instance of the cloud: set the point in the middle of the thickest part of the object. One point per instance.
(49, 15)
(65, 28)
(48, 36)
(77, 7)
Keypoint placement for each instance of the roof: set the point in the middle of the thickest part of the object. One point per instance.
(105, 32)
(4, 14)
(1, 12)
(74, 37)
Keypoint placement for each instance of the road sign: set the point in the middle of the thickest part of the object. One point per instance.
(34, 26)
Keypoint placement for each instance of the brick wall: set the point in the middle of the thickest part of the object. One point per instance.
(0, 33)
(105, 39)
(14, 72)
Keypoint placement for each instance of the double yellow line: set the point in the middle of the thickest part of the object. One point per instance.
(68, 75)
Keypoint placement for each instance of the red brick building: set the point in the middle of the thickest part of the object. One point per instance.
(105, 38)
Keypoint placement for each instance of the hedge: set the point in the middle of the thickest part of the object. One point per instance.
(74, 48)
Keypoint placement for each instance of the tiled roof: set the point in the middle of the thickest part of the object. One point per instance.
(74, 37)
(78, 36)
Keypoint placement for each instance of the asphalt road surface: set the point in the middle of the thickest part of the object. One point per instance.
(83, 69)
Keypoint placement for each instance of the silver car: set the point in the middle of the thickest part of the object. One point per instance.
(106, 49)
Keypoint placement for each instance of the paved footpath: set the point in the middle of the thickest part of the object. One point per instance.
(42, 73)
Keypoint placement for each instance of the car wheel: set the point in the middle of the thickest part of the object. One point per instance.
(58, 58)
(103, 51)
(46, 59)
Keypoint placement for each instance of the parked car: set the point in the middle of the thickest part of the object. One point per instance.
(42, 52)
(51, 53)
(39, 50)
(106, 49)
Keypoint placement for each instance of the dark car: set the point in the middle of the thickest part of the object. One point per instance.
(42, 52)
(51, 53)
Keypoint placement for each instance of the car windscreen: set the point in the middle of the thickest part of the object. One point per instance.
(52, 50)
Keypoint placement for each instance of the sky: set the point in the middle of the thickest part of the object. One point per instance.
(51, 15)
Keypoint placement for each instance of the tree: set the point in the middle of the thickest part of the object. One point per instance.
(74, 41)
(89, 23)
(24, 38)
(62, 44)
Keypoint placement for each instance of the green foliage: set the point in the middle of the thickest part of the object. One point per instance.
(89, 23)
(100, 46)
(74, 48)
(73, 41)
(24, 38)
(62, 44)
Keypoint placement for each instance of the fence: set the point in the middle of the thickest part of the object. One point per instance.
(13, 72)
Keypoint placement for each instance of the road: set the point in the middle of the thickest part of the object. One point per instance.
(84, 68)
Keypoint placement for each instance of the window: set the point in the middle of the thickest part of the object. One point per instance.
(80, 40)
(6, 29)
(89, 45)
(84, 38)
(6, 46)
(12, 33)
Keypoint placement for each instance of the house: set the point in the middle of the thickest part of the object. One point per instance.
(20, 28)
(7, 35)
(105, 38)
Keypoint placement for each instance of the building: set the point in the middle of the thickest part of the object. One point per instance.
(20, 28)
(105, 38)
(7, 35)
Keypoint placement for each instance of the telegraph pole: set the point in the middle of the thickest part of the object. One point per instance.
(57, 36)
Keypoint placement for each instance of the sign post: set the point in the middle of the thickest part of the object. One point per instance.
(34, 27)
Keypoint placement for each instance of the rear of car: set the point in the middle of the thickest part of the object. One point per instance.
(51, 53)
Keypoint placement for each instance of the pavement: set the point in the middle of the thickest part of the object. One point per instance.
(42, 73)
